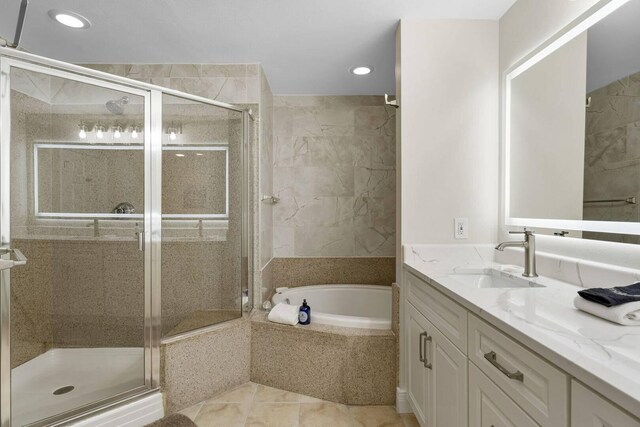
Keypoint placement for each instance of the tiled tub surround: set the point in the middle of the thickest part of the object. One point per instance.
(334, 172)
(612, 154)
(293, 272)
(343, 365)
(596, 352)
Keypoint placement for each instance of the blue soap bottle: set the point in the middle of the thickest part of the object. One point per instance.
(304, 317)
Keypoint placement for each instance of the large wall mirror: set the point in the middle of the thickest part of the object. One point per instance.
(572, 129)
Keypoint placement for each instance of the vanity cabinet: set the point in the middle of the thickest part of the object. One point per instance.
(462, 371)
(589, 409)
(491, 407)
(437, 375)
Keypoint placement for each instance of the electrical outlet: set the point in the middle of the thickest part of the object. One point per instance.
(461, 228)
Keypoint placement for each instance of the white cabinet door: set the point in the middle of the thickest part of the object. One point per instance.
(592, 410)
(418, 374)
(491, 407)
(447, 390)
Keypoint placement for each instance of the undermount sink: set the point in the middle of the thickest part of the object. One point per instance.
(492, 278)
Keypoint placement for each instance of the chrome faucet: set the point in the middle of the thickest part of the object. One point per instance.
(529, 245)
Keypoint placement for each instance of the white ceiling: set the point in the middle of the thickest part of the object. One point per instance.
(305, 46)
(613, 47)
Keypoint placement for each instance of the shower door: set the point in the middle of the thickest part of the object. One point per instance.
(76, 225)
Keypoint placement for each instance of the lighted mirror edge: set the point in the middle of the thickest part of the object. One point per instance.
(561, 38)
(616, 227)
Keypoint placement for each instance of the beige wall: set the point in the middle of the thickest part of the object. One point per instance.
(547, 135)
(449, 126)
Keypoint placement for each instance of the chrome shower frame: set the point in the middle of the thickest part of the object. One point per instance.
(152, 217)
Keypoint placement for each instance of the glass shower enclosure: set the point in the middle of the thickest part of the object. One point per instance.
(122, 221)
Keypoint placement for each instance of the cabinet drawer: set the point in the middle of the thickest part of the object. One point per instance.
(490, 407)
(537, 386)
(446, 315)
(590, 409)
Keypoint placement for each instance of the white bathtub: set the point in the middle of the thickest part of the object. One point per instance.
(352, 306)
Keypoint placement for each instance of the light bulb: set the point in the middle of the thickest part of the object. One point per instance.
(116, 133)
(172, 135)
(83, 133)
(199, 154)
(99, 133)
(179, 155)
(134, 133)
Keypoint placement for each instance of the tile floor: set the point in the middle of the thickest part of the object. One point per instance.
(257, 405)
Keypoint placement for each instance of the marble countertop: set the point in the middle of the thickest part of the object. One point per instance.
(601, 354)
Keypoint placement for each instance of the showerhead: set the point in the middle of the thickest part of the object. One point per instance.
(117, 106)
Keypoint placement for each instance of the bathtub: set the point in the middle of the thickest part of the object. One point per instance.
(351, 306)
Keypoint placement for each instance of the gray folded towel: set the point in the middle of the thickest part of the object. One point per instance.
(610, 297)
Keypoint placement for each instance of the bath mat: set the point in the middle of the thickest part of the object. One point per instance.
(175, 420)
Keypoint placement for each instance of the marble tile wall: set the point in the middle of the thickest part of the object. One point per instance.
(334, 172)
(612, 155)
(232, 83)
(266, 170)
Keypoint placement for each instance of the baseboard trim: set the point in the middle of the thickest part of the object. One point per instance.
(402, 402)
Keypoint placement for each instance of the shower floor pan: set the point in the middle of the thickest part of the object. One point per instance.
(67, 378)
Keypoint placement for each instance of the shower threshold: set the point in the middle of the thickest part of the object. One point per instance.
(63, 379)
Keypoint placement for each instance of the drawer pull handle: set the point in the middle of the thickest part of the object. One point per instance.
(421, 345)
(491, 357)
(426, 362)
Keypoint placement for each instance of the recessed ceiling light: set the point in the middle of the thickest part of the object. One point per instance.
(69, 19)
(361, 70)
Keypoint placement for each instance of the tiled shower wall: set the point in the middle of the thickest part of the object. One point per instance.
(612, 155)
(334, 172)
(241, 84)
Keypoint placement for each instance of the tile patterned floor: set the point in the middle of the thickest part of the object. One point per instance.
(255, 405)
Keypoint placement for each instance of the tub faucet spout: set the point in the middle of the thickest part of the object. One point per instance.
(529, 245)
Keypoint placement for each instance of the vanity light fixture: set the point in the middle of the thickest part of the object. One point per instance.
(69, 19)
(99, 131)
(83, 132)
(361, 70)
(173, 132)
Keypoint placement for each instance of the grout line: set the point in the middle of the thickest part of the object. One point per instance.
(198, 411)
(250, 403)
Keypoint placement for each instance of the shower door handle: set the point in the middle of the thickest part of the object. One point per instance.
(19, 258)
(140, 235)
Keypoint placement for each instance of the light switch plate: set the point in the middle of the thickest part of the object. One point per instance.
(461, 228)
